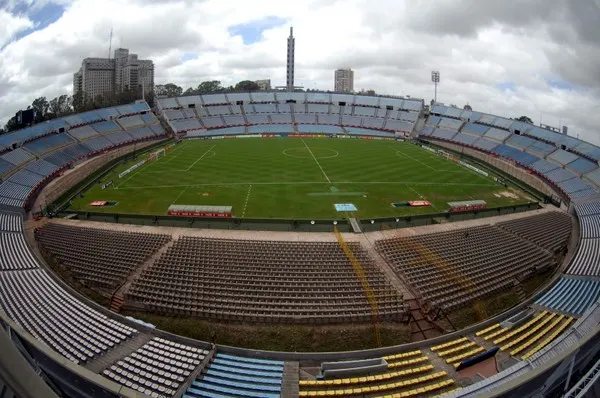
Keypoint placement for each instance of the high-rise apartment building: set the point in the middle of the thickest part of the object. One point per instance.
(344, 80)
(99, 76)
(264, 85)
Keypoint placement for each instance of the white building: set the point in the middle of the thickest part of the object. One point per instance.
(344, 80)
(98, 76)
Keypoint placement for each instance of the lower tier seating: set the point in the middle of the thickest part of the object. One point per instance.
(537, 229)
(158, 368)
(409, 374)
(528, 337)
(99, 257)
(264, 281)
(450, 269)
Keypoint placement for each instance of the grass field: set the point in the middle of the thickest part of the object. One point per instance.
(296, 178)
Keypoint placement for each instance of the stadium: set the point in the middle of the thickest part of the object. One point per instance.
(298, 209)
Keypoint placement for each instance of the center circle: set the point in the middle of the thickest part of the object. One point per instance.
(304, 153)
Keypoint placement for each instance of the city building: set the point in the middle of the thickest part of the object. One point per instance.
(344, 80)
(99, 76)
(264, 84)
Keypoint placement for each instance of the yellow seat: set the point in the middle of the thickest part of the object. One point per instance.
(457, 359)
(529, 332)
(521, 328)
(487, 330)
(304, 394)
(535, 337)
(322, 393)
(339, 393)
(548, 339)
(456, 349)
(448, 344)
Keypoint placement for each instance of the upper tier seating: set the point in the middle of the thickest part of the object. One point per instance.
(83, 132)
(48, 143)
(536, 229)
(156, 369)
(450, 269)
(99, 257)
(582, 166)
(264, 281)
(38, 304)
(17, 156)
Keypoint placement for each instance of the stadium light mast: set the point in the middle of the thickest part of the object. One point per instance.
(435, 78)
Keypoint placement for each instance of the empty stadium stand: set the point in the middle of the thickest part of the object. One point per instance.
(536, 228)
(263, 281)
(99, 257)
(374, 115)
(408, 374)
(158, 368)
(450, 269)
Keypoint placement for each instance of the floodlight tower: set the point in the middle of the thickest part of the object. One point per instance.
(435, 78)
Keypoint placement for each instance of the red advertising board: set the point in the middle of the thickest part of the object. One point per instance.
(198, 214)
(417, 203)
(468, 208)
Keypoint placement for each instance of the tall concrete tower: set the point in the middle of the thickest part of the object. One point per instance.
(291, 42)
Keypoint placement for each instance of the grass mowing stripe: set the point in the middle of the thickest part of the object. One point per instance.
(318, 164)
(284, 186)
(200, 158)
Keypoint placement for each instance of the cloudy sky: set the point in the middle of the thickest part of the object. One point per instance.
(539, 58)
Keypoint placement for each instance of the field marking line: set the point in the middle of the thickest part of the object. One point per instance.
(200, 158)
(414, 159)
(318, 164)
(147, 164)
(421, 196)
(247, 197)
(176, 149)
(220, 184)
(181, 194)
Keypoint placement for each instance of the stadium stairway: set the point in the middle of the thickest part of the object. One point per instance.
(135, 273)
(121, 351)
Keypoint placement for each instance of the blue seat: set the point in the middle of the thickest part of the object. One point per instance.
(231, 391)
(252, 379)
(239, 384)
(250, 360)
(237, 364)
(224, 368)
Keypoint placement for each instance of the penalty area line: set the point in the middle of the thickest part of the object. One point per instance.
(181, 194)
(247, 197)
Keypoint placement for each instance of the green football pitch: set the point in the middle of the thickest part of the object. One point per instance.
(295, 178)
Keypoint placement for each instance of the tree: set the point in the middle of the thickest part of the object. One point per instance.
(247, 85)
(524, 119)
(170, 90)
(11, 124)
(60, 106)
(40, 106)
(209, 86)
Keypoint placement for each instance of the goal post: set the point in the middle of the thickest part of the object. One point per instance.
(157, 154)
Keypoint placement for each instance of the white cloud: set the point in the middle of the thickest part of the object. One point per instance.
(391, 44)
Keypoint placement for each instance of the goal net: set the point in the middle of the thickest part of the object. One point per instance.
(157, 154)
